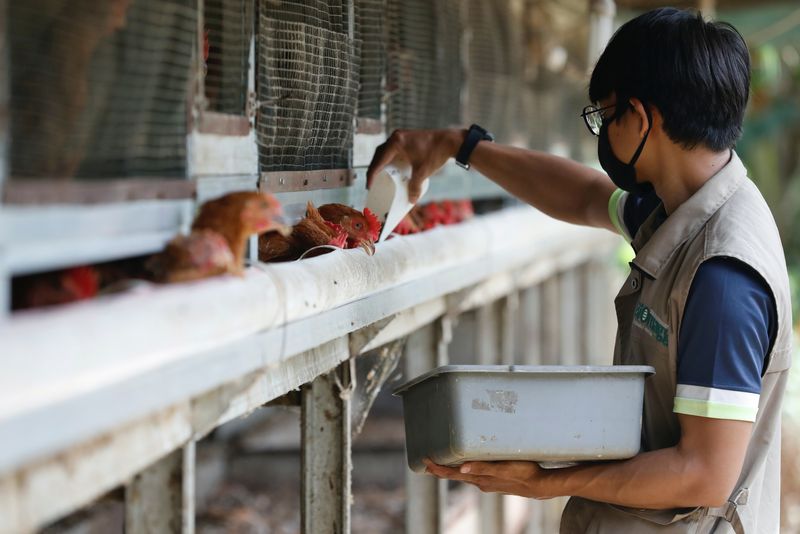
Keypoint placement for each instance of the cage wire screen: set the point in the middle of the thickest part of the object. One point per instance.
(308, 69)
(371, 33)
(495, 71)
(98, 89)
(226, 38)
(425, 72)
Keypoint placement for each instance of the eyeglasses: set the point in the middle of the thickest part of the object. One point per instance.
(593, 117)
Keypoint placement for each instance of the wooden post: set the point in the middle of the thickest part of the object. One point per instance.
(569, 318)
(161, 498)
(509, 326)
(426, 497)
(326, 453)
(490, 350)
(549, 301)
(554, 338)
(529, 334)
(601, 27)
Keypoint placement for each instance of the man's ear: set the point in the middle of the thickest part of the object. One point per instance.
(644, 122)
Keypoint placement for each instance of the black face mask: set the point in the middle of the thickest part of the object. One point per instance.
(622, 174)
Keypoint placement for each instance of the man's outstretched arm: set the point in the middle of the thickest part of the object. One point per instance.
(559, 187)
(701, 470)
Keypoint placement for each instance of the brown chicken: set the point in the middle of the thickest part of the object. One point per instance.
(363, 228)
(312, 231)
(218, 239)
(201, 254)
(236, 216)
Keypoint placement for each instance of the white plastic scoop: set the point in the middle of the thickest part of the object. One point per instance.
(388, 195)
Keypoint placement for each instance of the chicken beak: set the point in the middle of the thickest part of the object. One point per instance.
(280, 224)
(368, 246)
(283, 229)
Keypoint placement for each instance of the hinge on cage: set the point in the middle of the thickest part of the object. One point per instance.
(252, 105)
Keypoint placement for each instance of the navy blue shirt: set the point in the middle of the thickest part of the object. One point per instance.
(728, 328)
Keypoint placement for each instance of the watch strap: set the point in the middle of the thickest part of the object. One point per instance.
(475, 135)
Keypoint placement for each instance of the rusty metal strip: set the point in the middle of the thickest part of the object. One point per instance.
(211, 122)
(96, 192)
(282, 182)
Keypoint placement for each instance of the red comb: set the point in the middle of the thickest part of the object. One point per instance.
(83, 281)
(373, 223)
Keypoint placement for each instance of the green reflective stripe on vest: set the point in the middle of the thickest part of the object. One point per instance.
(613, 212)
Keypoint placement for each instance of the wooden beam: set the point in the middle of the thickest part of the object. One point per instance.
(49, 489)
(326, 453)
(426, 496)
(161, 497)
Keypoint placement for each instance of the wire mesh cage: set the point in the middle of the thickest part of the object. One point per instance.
(495, 70)
(228, 30)
(425, 71)
(308, 71)
(99, 89)
(371, 33)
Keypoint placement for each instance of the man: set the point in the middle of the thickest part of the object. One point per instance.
(707, 300)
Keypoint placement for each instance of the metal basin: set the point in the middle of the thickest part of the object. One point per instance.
(460, 413)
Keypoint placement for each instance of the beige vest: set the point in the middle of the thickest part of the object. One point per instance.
(727, 217)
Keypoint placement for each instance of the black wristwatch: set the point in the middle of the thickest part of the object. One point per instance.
(475, 135)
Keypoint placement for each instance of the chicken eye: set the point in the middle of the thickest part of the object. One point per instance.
(359, 226)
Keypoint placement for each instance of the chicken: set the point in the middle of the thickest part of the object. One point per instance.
(408, 225)
(236, 216)
(217, 242)
(58, 287)
(433, 214)
(201, 254)
(311, 231)
(363, 228)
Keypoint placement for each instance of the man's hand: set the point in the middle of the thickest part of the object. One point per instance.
(526, 479)
(425, 150)
(701, 470)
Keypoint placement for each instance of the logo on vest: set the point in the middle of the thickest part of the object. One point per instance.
(644, 318)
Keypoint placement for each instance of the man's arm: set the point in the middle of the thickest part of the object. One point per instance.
(701, 470)
(559, 187)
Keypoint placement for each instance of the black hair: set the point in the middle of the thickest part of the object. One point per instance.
(696, 73)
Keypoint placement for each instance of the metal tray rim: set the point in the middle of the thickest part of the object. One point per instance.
(526, 369)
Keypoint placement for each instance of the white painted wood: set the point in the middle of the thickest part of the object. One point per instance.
(210, 187)
(188, 486)
(489, 346)
(212, 154)
(426, 496)
(364, 146)
(569, 320)
(408, 321)
(551, 329)
(36, 238)
(40, 493)
(154, 497)
(94, 372)
(326, 450)
(601, 27)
